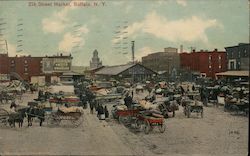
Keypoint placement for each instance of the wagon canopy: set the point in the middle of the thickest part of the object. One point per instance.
(63, 88)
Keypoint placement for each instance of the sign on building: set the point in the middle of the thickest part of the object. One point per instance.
(56, 65)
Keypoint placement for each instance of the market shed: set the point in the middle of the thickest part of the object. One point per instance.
(244, 75)
(127, 71)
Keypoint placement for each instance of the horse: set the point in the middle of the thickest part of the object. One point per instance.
(168, 106)
(18, 116)
(33, 112)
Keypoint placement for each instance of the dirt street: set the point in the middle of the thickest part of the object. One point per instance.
(218, 133)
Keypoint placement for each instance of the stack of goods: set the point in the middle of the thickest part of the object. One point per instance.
(121, 107)
(147, 105)
(71, 109)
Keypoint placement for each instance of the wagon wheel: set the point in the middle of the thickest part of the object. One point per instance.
(77, 121)
(123, 119)
(4, 115)
(147, 127)
(53, 120)
(114, 115)
(139, 124)
(235, 109)
(162, 127)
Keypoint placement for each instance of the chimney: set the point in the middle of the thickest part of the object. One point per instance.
(202, 50)
(181, 49)
(61, 54)
(216, 50)
(193, 50)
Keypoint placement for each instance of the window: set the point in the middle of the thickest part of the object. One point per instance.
(210, 66)
(25, 69)
(219, 66)
(12, 61)
(219, 57)
(210, 58)
(25, 61)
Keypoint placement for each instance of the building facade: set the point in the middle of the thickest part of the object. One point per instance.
(205, 63)
(238, 57)
(167, 61)
(25, 67)
(95, 61)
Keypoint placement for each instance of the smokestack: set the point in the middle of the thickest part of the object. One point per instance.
(181, 49)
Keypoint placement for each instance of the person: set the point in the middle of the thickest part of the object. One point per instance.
(91, 105)
(100, 112)
(106, 112)
(97, 109)
(182, 90)
(128, 101)
(193, 88)
(205, 97)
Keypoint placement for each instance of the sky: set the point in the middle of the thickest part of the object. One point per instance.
(78, 27)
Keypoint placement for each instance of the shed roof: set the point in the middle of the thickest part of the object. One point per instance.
(234, 73)
(114, 70)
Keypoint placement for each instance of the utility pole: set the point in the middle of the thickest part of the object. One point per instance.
(133, 51)
(7, 48)
(133, 60)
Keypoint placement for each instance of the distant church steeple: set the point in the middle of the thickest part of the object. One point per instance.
(95, 62)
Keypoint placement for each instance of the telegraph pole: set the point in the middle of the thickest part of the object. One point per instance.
(133, 51)
(133, 59)
(7, 48)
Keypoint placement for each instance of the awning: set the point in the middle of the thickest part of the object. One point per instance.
(234, 73)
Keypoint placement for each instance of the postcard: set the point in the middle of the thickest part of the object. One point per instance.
(124, 77)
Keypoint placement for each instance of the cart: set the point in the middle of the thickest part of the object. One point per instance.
(193, 106)
(148, 123)
(124, 116)
(55, 117)
(237, 106)
(4, 116)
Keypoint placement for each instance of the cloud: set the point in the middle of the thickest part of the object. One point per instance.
(73, 41)
(182, 2)
(143, 52)
(188, 29)
(58, 21)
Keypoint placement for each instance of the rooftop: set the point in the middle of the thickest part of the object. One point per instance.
(114, 70)
(234, 73)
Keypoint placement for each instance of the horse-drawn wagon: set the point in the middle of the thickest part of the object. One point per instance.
(147, 123)
(192, 104)
(236, 105)
(123, 114)
(73, 114)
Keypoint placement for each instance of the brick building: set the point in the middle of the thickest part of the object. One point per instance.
(163, 61)
(238, 57)
(207, 63)
(25, 67)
